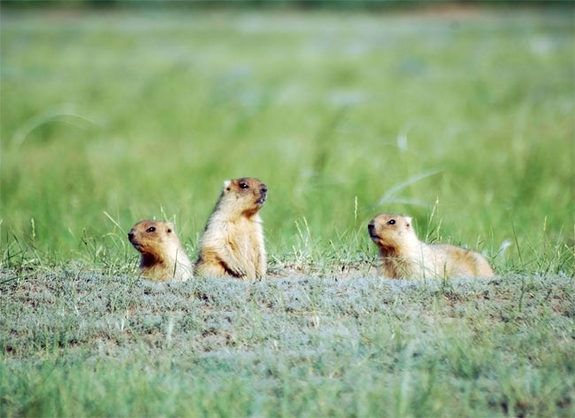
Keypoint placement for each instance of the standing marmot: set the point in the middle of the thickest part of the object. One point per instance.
(163, 256)
(233, 241)
(404, 256)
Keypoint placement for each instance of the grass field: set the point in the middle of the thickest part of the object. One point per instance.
(464, 119)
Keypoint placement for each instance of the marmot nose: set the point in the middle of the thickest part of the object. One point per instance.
(130, 235)
(370, 228)
(264, 188)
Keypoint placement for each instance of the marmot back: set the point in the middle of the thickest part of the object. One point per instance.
(403, 255)
(162, 255)
(233, 241)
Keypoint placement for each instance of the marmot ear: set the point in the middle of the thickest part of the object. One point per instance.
(227, 184)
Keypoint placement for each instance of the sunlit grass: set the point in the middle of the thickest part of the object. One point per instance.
(78, 343)
(146, 115)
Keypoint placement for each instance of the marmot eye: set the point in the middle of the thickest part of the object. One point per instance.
(391, 222)
(169, 230)
(244, 185)
(151, 229)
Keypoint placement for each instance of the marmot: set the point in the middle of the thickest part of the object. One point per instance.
(163, 256)
(403, 255)
(233, 240)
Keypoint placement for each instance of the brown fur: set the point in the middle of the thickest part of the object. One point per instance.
(404, 256)
(233, 242)
(162, 255)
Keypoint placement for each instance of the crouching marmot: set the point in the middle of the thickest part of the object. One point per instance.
(162, 255)
(403, 255)
(233, 240)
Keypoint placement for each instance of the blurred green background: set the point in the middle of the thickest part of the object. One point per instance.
(301, 4)
(460, 115)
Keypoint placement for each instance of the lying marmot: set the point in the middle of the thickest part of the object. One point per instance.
(162, 255)
(233, 240)
(403, 255)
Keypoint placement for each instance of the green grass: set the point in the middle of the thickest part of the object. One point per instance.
(465, 122)
(77, 343)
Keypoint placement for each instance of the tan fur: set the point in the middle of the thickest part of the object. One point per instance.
(162, 255)
(403, 255)
(233, 241)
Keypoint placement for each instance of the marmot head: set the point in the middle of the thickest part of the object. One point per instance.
(390, 231)
(152, 237)
(247, 194)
